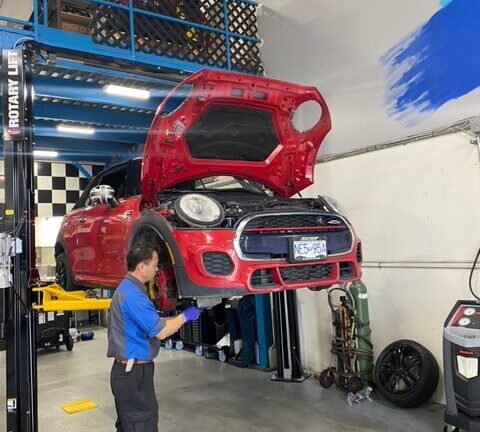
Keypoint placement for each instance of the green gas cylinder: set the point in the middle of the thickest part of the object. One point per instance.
(358, 290)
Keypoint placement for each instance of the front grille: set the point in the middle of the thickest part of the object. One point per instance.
(306, 273)
(267, 236)
(217, 263)
(262, 278)
(295, 221)
(346, 270)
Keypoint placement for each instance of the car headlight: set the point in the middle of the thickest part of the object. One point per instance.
(199, 210)
(335, 205)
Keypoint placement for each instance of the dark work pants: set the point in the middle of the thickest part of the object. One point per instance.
(135, 401)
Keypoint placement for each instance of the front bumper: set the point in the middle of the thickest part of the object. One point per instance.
(255, 276)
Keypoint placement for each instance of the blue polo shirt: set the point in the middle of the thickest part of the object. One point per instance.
(133, 323)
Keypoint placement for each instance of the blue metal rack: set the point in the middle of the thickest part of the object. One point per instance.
(82, 45)
(229, 25)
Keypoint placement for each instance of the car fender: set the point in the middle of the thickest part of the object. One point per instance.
(186, 287)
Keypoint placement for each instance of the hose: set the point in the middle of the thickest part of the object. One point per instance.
(471, 276)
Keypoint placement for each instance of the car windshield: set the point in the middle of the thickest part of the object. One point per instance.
(226, 183)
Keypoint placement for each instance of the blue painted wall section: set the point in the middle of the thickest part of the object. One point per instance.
(445, 2)
(437, 63)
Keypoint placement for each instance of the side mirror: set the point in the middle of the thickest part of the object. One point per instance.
(103, 194)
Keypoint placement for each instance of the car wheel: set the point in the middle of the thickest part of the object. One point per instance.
(63, 275)
(406, 374)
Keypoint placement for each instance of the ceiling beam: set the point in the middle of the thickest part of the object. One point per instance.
(81, 146)
(93, 115)
(61, 88)
(123, 136)
(155, 78)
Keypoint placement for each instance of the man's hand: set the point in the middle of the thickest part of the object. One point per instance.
(192, 313)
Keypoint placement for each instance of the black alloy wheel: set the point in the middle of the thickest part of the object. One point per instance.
(406, 373)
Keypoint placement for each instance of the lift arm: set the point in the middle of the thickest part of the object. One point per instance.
(54, 298)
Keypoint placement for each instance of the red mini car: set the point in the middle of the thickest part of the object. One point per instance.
(214, 188)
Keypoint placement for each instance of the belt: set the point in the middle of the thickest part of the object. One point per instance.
(135, 362)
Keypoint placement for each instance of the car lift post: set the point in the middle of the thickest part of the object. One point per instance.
(287, 340)
(17, 243)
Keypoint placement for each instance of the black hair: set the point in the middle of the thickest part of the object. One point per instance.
(140, 251)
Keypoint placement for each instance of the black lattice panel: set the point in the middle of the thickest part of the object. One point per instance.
(180, 42)
(157, 36)
(213, 14)
(110, 27)
(52, 12)
(40, 11)
(242, 18)
(245, 56)
(163, 7)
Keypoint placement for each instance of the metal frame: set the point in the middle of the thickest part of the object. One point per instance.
(121, 124)
(287, 340)
(60, 39)
(65, 63)
(19, 319)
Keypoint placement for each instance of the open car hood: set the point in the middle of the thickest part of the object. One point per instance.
(232, 124)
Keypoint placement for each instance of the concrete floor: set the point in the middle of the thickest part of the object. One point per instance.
(196, 394)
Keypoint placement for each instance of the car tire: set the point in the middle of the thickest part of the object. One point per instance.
(63, 275)
(406, 374)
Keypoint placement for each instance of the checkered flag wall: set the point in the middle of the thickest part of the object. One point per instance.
(57, 186)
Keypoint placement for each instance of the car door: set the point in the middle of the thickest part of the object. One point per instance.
(87, 252)
(69, 228)
(90, 238)
(115, 228)
(71, 224)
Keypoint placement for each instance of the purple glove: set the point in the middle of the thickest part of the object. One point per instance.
(192, 313)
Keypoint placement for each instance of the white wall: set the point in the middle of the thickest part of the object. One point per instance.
(19, 9)
(416, 208)
(337, 46)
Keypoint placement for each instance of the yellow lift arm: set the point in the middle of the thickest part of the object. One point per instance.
(54, 298)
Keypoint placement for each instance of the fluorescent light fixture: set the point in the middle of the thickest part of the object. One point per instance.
(126, 91)
(85, 130)
(45, 153)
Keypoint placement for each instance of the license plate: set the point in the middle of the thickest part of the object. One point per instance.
(308, 248)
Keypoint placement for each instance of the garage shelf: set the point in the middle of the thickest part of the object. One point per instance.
(185, 35)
